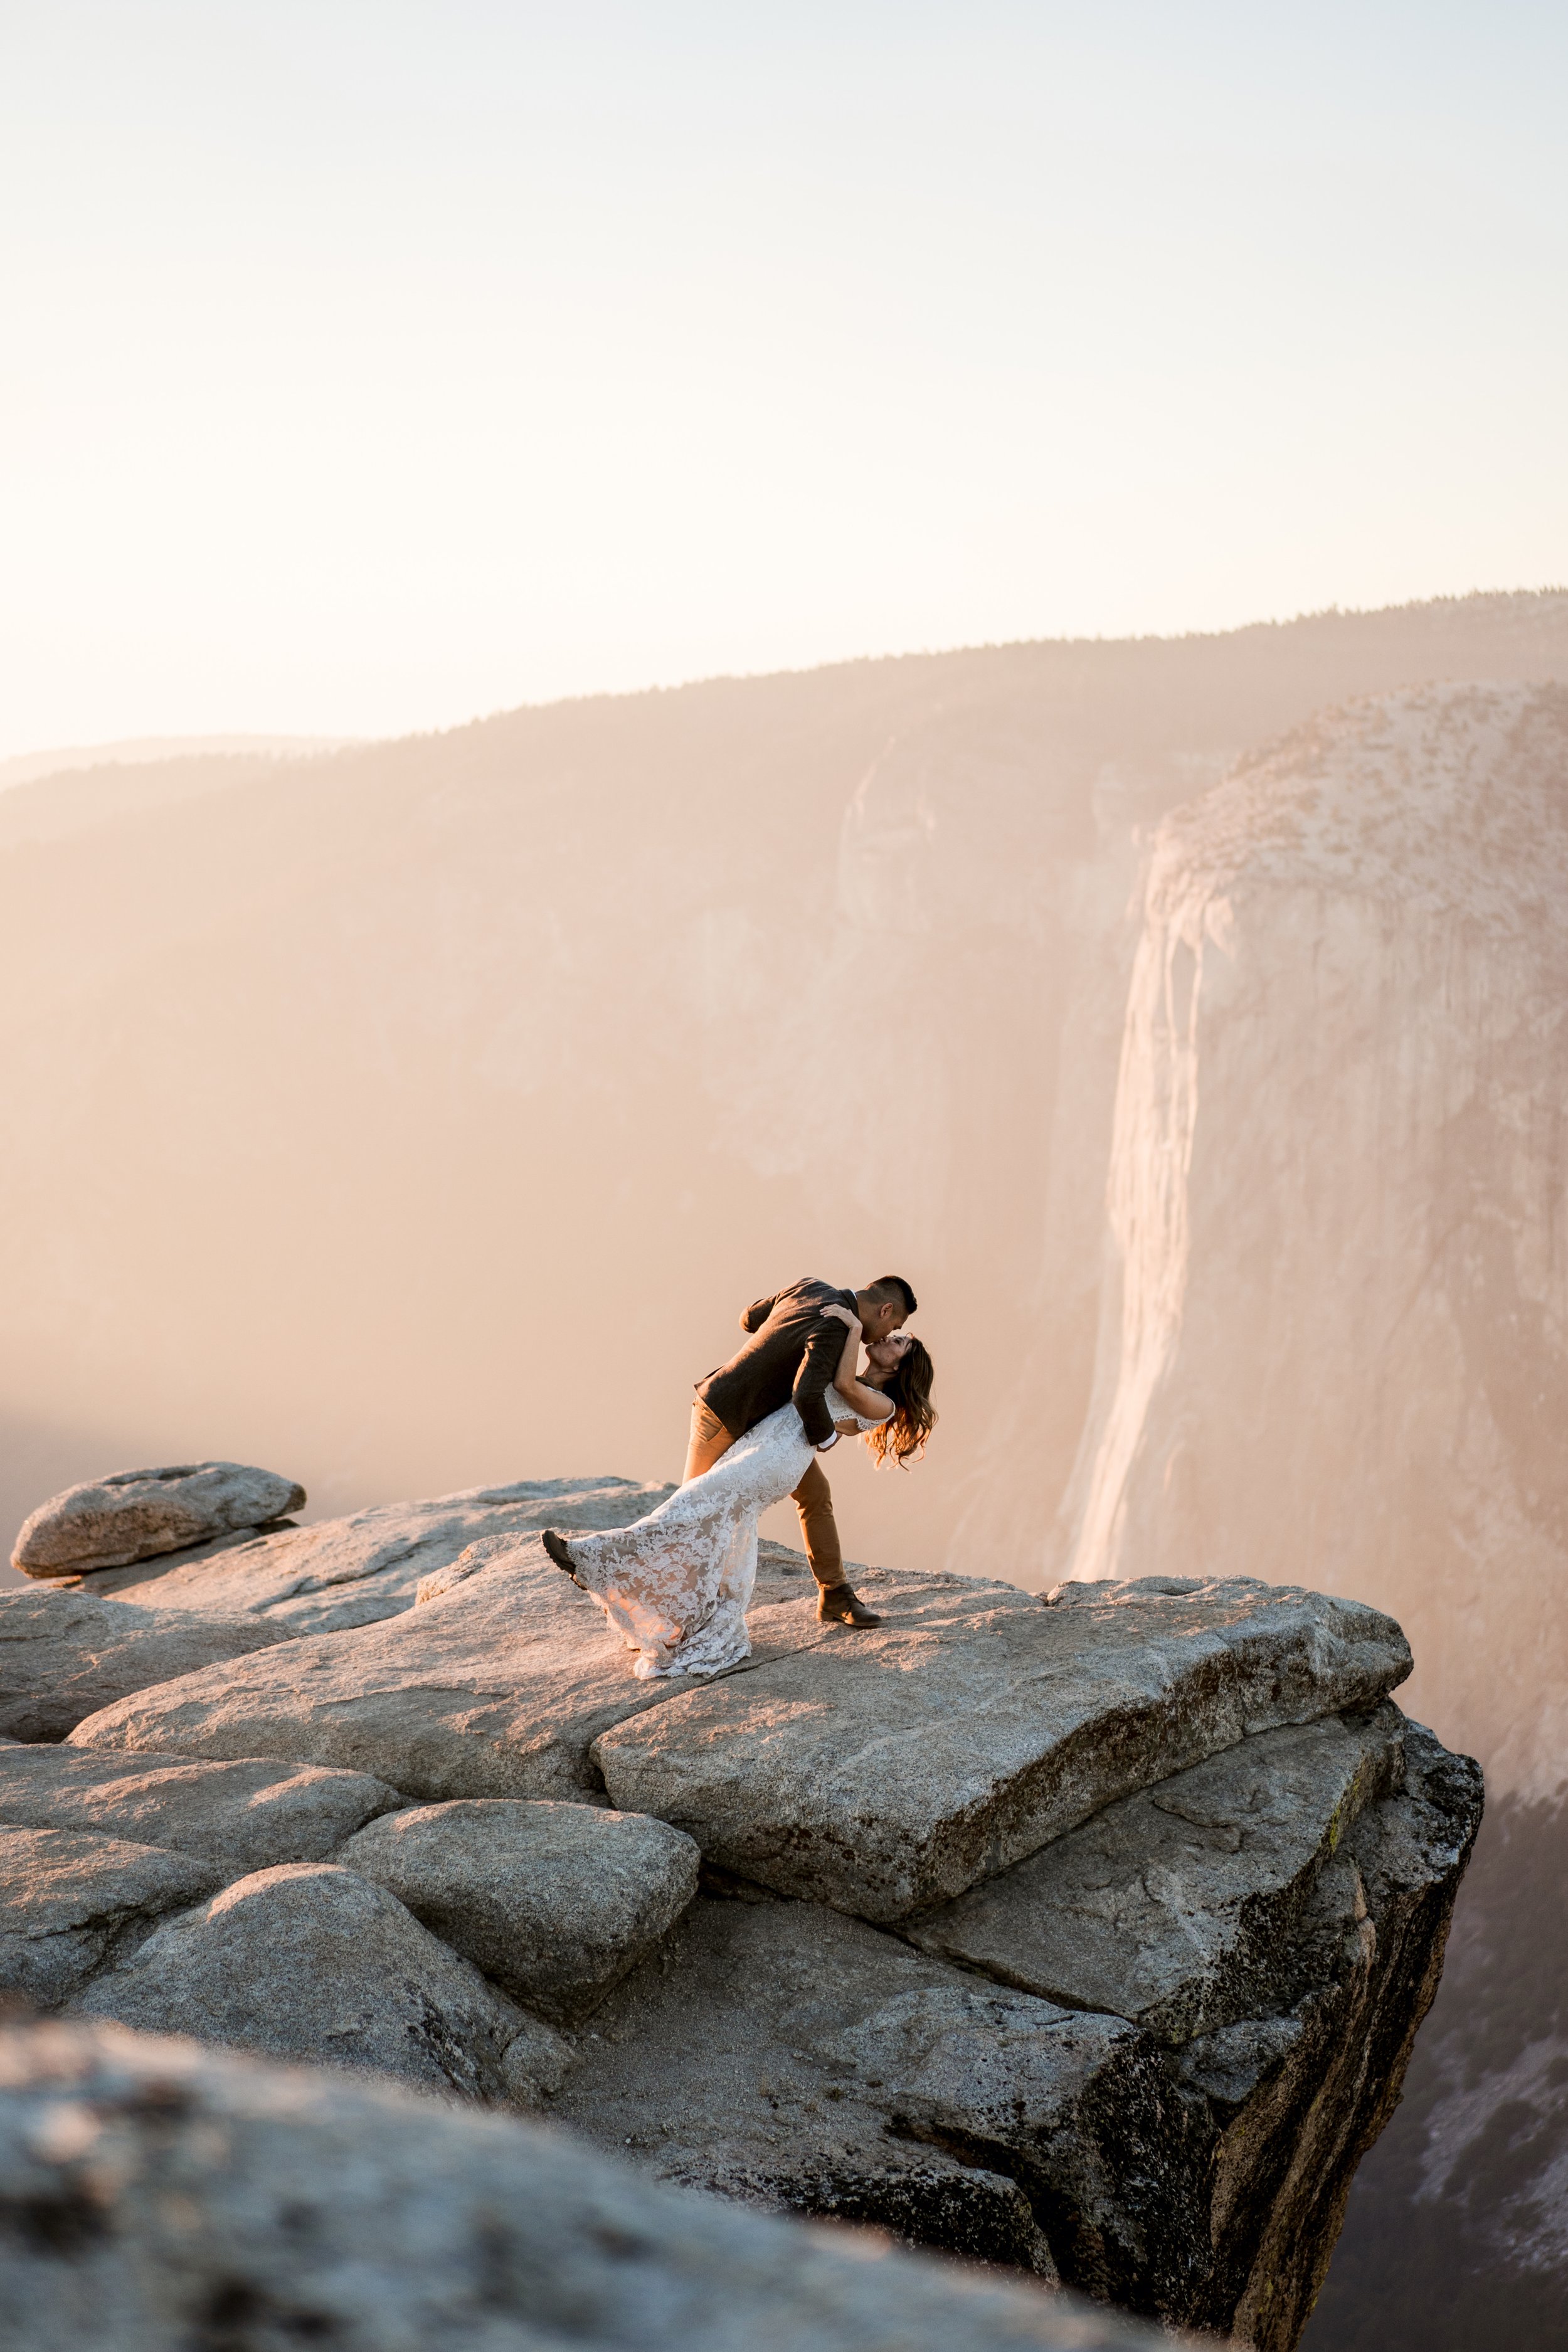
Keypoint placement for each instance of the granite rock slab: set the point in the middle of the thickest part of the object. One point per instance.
(356, 1570)
(497, 1688)
(783, 2054)
(886, 1771)
(1182, 1908)
(64, 1656)
(134, 1514)
(242, 1815)
(72, 1901)
(554, 1901)
(186, 2182)
(308, 1960)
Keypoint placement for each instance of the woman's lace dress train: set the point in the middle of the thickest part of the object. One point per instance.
(677, 1584)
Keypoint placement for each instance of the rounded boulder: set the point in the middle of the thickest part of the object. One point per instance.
(133, 1515)
(309, 1961)
(554, 1901)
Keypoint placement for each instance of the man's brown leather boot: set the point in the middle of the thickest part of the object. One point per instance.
(838, 1604)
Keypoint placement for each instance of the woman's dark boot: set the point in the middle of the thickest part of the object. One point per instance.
(556, 1547)
(838, 1604)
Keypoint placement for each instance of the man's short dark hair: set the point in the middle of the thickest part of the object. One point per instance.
(891, 1286)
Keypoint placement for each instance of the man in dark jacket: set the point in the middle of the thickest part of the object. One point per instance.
(791, 1351)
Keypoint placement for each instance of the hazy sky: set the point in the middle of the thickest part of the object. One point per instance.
(366, 364)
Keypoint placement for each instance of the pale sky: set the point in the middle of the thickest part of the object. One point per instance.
(369, 364)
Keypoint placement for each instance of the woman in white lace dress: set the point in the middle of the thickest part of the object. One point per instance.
(677, 1584)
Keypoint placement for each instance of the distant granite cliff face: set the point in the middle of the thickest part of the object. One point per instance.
(1333, 1344)
(1335, 1340)
(1085, 1935)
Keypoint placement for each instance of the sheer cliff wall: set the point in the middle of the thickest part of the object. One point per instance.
(1335, 1334)
(1333, 1343)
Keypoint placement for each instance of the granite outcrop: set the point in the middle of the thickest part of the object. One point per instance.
(73, 1902)
(1086, 1936)
(555, 1902)
(497, 1686)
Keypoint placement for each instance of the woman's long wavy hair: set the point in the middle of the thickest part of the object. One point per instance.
(901, 1438)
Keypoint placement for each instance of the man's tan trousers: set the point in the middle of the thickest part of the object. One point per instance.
(813, 1496)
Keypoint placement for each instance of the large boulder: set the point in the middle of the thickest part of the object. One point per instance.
(244, 1815)
(203, 2197)
(555, 1902)
(372, 1564)
(64, 1656)
(1183, 1907)
(882, 1772)
(137, 1514)
(72, 1901)
(307, 1961)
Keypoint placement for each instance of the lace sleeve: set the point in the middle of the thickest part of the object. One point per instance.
(846, 1418)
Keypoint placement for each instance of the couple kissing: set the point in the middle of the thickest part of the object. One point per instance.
(677, 1584)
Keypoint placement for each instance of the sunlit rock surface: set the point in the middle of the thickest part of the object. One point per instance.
(555, 1902)
(245, 1816)
(788, 2054)
(309, 1960)
(878, 1773)
(496, 1690)
(882, 1773)
(64, 1655)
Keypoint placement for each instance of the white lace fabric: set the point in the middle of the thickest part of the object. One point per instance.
(676, 1585)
